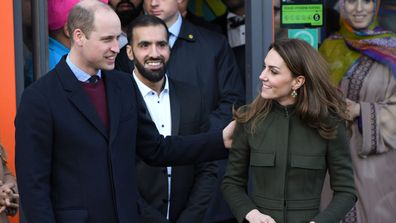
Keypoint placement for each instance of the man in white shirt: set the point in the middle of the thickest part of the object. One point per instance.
(204, 59)
(172, 194)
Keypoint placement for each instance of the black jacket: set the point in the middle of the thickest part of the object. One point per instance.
(192, 185)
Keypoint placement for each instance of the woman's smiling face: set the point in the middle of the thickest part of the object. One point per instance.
(277, 80)
(359, 13)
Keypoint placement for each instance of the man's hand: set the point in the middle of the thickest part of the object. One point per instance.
(228, 131)
(255, 216)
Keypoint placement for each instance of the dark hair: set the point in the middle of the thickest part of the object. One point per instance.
(144, 21)
(82, 16)
(317, 101)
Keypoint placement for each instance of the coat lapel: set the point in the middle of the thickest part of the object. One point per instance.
(113, 102)
(78, 96)
(175, 109)
(186, 32)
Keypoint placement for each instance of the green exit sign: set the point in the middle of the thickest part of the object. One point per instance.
(302, 15)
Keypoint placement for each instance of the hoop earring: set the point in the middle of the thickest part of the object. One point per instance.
(294, 94)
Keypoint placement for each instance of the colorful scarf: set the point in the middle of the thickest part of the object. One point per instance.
(344, 48)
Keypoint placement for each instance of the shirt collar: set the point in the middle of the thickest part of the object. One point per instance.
(174, 29)
(231, 15)
(144, 90)
(80, 74)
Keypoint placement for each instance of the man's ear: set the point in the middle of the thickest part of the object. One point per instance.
(79, 37)
(129, 51)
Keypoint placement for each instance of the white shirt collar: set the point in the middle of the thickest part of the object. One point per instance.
(80, 74)
(231, 14)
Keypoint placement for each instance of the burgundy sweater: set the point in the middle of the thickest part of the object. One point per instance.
(97, 94)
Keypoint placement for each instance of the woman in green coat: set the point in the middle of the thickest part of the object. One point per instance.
(287, 138)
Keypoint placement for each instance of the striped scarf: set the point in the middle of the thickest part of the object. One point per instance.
(345, 47)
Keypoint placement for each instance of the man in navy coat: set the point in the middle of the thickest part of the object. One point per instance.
(79, 128)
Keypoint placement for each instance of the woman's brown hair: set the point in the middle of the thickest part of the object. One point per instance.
(318, 100)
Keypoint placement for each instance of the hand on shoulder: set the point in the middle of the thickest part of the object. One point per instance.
(228, 131)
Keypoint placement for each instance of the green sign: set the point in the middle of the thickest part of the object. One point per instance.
(302, 14)
(309, 35)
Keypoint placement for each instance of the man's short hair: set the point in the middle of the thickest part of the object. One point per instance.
(145, 21)
(82, 16)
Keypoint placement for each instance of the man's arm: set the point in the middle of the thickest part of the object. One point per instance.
(34, 136)
(156, 150)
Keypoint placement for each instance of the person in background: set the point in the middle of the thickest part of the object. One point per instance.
(286, 139)
(280, 33)
(127, 11)
(79, 128)
(194, 19)
(204, 59)
(171, 194)
(59, 39)
(232, 24)
(362, 59)
(9, 196)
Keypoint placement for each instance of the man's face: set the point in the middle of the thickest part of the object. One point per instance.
(166, 10)
(150, 52)
(99, 49)
(126, 10)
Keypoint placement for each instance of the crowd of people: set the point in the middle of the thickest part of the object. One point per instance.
(142, 118)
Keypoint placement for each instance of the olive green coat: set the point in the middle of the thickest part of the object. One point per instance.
(288, 162)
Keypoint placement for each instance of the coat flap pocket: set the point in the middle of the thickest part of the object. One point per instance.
(262, 159)
(308, 162)
(75, 216)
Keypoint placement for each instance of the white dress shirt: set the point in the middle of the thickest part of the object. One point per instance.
(236, 36)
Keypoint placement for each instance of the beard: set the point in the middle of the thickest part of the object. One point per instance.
(127, 16)
(152, 76)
